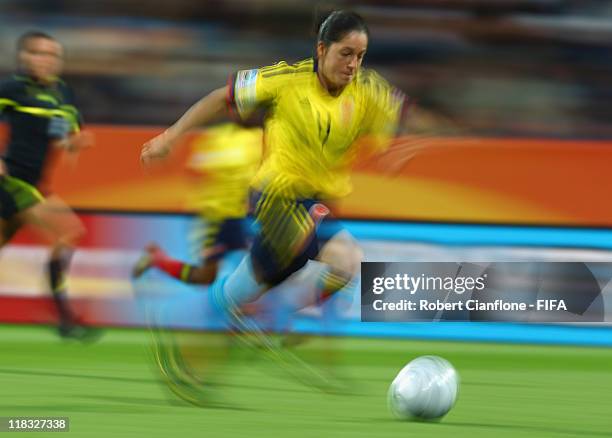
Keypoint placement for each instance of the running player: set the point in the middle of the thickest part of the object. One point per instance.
(223, 162)
(42, 118)
(323, 112)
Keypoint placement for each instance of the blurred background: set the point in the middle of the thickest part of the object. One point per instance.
(523, 177)
(500, 67)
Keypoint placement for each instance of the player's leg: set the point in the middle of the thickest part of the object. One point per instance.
(342, 257)
(284, 243)
(155, 257)
(27, 206)
(222, 240)
(9, 223)
(189, 363)
(339, 261)
(332, 269)
(285, 230)
(219, 237)
(8, 228)
(58, 224)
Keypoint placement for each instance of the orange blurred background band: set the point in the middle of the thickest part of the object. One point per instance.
(481, 180)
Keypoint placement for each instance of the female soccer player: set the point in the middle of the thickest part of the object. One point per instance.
(322, 113)
(223, 162)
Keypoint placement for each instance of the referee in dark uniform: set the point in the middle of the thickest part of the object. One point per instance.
(39, 109)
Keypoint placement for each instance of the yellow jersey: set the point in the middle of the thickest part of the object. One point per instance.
(312, 137)
(226, 157)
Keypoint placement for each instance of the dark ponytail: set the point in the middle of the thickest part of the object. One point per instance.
(338, 24)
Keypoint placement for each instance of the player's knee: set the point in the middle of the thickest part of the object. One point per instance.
(71, 232)
(343, 256)
(72, 237)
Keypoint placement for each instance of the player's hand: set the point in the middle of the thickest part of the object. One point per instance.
(156, 149)
(75, 142)
(405, 149)
(81, 140)
(401, 152)
(2, 168)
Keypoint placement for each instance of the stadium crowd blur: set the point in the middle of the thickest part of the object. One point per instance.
(497, 67)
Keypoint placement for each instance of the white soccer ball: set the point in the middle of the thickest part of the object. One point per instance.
(425, 389)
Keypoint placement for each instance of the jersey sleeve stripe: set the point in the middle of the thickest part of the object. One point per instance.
(229, 98)
(45, 112)
(6, 103)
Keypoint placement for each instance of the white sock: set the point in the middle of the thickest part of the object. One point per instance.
(241, 286)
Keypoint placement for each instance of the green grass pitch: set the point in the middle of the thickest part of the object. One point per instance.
(111, 389)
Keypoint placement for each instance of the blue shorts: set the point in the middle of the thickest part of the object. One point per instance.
(222, 236)
(280, 223)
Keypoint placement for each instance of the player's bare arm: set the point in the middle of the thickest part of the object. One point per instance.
(207, 109)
